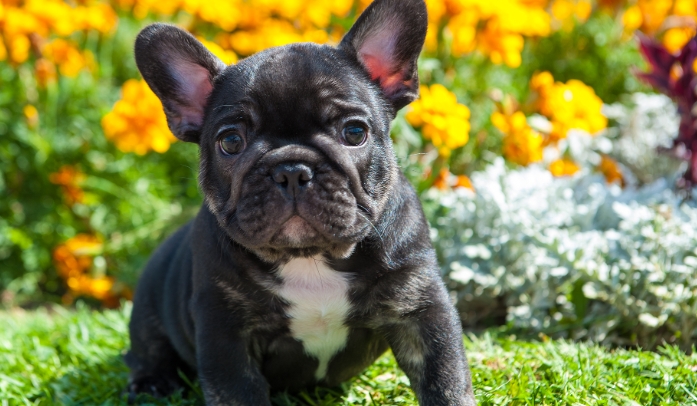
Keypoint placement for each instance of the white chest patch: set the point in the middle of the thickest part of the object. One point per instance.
(318, 297)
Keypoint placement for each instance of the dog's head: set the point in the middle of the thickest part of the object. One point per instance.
(296, 156)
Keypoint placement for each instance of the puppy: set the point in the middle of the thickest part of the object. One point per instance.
(311, 254)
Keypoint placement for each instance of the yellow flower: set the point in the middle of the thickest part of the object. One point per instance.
(632, 19)
(19, 48)
(228, 57)
(570, 105)
(137, 122)
(463, 28)
(501, 46)
(273, 32)
(31, 21)
(647, 15)
(74, 257)
(563, 167)
(495, 28)
(100, 17)
(684, 8)
(69, 59)
(521, 144)
(224, 14)
(31, 115)
(567, 12)
(675, 39)
(74, 262)
(443, 120)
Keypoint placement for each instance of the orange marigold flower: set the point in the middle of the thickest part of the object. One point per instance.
(74, 257)
(100, 17)
(495, 28)
(74, 262)
(443, 120)
(67, 56)
(69, 179)
(97, 287)
(649, 15)
(45, 71)
(442, 180)
(465, 182)
(446, 180)
(570, 105)
(609, 168)
(521, 144)
(500, 45)
(137, 122)
(563, 167)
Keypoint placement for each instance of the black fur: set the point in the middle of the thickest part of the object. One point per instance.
(206, 304)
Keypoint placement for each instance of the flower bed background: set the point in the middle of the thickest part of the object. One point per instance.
(535, 146)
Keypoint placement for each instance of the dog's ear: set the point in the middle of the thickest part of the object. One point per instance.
(387, 40)
(181, 71)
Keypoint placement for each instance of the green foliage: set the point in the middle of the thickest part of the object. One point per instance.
(67, 358)
(130, 201)
(597, 53)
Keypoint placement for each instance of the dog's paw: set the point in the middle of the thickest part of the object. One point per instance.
(156, 387)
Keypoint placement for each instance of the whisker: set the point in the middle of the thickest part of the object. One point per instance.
(224, 105)
(319, 274)
(379, 235)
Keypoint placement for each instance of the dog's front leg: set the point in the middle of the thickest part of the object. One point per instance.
(427, 344)
(228, 374)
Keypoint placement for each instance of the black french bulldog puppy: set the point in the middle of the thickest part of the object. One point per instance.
(311, 254)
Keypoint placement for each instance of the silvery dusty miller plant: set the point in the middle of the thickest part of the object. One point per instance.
(571, 255)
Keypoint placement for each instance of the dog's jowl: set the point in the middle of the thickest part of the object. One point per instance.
(311, 254)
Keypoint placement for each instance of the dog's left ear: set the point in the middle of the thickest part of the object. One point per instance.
(387, 40)
(181, 71)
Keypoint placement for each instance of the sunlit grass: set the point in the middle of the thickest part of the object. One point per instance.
(74, 357)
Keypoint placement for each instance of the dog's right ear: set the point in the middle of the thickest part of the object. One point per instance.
(180, 70)
(386, 40)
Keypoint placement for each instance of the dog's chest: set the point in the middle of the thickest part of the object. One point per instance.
(318, 298)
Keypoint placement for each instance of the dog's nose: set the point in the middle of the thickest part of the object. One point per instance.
(292, 177)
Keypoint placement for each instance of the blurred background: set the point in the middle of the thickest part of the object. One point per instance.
(552, 147)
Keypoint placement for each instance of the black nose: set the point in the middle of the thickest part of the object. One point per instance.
(292, 177)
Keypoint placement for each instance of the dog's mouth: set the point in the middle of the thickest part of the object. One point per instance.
(296, 232)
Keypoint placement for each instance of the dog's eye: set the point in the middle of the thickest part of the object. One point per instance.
(231, 143)
(354, 134)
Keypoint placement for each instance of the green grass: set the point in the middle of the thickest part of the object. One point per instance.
(74, 357)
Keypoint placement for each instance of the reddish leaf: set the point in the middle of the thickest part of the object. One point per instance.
(656, 55)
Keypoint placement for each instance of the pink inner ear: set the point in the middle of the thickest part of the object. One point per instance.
(195, 86)
(389, 82)
(377, 53)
